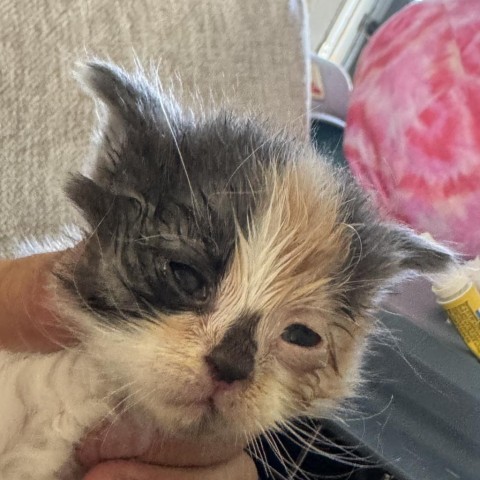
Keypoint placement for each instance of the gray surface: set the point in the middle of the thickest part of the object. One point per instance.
(421, 415)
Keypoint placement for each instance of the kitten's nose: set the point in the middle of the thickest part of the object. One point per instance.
(229, 369)
(233, 358)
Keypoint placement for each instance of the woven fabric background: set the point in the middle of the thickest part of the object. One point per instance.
(251, 52)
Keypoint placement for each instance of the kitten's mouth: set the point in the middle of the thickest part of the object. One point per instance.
(200, 418)
(212, 411)
(206, 413)
(209, 401)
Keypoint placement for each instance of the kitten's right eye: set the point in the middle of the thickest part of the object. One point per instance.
(189, 280)
(299, 334)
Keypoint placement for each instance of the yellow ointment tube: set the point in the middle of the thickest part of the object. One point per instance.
(460, 298)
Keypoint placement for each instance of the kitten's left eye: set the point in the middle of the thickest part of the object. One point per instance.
(301, 335)
(189, 280)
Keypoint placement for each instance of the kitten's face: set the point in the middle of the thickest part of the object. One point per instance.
(229, 277)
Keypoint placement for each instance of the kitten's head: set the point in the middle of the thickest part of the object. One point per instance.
(229, 276)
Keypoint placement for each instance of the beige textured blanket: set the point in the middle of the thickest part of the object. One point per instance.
(250, 52)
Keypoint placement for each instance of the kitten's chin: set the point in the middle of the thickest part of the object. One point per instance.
(196, 419)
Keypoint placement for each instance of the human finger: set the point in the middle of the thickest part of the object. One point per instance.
(27, 317)
(240, 467)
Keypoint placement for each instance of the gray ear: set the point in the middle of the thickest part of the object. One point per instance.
(131, 116)
(128, 103)
(122, 93)
(382, 254)
(93, 201)
(419, 254)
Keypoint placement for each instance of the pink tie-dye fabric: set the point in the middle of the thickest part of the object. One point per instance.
(413, 126)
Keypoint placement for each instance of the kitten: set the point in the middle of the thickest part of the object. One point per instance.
(227, 283)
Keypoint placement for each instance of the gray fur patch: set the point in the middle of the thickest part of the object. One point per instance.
(166, 188)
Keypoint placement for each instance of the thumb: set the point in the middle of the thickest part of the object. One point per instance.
(27, 318)
(239, 468)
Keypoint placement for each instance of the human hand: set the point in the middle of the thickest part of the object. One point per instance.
(28, 322)
(179, 459)
(239, 468)
(27, 317)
